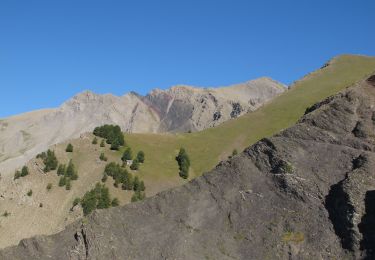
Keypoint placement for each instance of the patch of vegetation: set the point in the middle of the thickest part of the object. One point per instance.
(183, 161)
(76, 201)
(113, 135)
(119, 175)
(102, 157)
(127, 155)
(29, 193)
(115, 202)
(67, 174)
(140, 157)
(6, 214)
(49, 186)
(69, 148)
(24, 172)
(49, 159)
(135, 165)
(138, 195)
(102, 143)
(97, 198)
(286, 167)
(295, 237)
(95, 140)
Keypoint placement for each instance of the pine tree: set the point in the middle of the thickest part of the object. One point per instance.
(69, 148)
(102, 143)
(68, 184)
(135, 165)
(141, 157)
(61, 170)
(62, 181)
(127, 155)
(24, 171)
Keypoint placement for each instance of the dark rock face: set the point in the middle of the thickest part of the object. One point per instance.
(305, 193)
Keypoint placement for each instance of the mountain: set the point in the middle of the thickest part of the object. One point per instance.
(305, 193)
(206, 149)
(180, 108)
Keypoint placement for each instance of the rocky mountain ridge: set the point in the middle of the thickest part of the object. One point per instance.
(305, 193)
(179, 109)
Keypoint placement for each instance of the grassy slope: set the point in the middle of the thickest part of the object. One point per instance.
(208, 147)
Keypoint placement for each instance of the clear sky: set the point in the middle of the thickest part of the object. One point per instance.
(50, 50)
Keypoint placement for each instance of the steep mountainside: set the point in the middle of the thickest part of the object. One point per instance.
(173, 110)
(305, 193)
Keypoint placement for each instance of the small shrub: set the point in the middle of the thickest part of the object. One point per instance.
(49, 186)
(127, 155)
(76, 201)
(24, 171)
(17, 175)
(102, 157)
(235, 152)
(62, 181)
(115, 202)
(61, 170)
(135, 165)
(68, 184)
(6, 214)
(102, 143)
(95, 140)
(105, 177)
(183, 163)
(69, 148)
(141, 157)
(30, 193)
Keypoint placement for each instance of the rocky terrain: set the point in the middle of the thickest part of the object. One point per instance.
(179, 109)
(305, 193)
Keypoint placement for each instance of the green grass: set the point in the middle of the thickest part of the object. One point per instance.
(208, 147)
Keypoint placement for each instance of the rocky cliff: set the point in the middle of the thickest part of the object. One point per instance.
(305, 193)
(179, 109)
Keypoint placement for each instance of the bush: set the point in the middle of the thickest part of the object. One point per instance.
(141, 157)
(61, 170)
(235, 152)
(24, 171)
(68, 186)
(71, 171)
(30, 193)
(6, 214)
(62, 181)
(102, 157)
(115, 202)
(49, 160)
(135, 165)
(183, 163)
(17, 175)
(127, 155)
(76, 201)
(69, 148)
(137, 196)
(49, 186)
(95, 140)
(102, 144)
(105, 177)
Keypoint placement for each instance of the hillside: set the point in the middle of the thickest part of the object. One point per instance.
(160, 170)
(305, 193)
(181, 108)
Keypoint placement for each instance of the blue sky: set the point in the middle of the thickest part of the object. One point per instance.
(51, 50)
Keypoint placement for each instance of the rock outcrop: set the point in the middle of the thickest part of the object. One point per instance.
(179, 109)
(305, 193)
